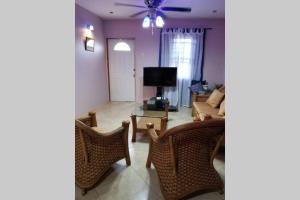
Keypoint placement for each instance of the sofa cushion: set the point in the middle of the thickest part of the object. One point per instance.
(222, 108)
(215, 98)
(203, 110)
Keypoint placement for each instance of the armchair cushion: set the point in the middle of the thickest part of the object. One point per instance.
(99, 129)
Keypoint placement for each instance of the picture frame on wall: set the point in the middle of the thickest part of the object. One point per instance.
(89, 44)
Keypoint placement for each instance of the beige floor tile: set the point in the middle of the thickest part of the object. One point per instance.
(219, 166)
(147, 193)
(91, 195)
(208, 196)
(124, 183)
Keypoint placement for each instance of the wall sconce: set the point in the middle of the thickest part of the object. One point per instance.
(89, 44)
(90, 27)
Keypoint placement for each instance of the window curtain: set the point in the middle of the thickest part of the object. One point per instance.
(182, 48)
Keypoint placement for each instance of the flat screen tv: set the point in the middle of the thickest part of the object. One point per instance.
(160, 76)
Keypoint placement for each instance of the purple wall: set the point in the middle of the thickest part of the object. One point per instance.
(147, 47)
(91, 84)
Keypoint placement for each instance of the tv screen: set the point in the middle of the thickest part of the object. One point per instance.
(160, 76)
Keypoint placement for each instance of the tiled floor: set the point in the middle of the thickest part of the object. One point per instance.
(136, 181)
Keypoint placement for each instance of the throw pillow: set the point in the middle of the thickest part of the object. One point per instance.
(222, 108)
(215, 98)
(222, 89)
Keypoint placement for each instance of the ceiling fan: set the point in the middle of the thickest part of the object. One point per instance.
(154, 12)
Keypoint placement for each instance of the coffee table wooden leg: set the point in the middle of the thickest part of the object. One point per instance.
(125, 124)
(167, 110)
(83, 192)
(134, 127)
(148, 164)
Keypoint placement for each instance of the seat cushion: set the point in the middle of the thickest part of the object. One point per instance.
(203, 110)
(99, 129)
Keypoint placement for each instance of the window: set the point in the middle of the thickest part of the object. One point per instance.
(121, 46)
(180, 57)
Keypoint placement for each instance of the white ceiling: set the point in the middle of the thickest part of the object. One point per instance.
(200, 8)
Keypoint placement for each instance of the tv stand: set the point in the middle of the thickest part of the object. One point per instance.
(159, 91)
(159, 104)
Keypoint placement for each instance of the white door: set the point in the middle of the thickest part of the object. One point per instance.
(121, 71)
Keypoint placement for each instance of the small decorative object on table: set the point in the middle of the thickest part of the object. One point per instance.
(204, 85)
(199, 87)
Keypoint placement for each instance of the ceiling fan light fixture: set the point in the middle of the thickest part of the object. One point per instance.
(159, 22)
(155, 12)
(146, 22)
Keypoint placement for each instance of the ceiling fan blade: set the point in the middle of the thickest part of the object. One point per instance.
(162, 14)
(139, 13)
(129, 5)
(177, 9)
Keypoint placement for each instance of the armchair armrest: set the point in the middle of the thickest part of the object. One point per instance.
(104, 138)
(216, 149)
(167, 104)
(90, 120)
(155, 138)
(92, 137)
(199, 97)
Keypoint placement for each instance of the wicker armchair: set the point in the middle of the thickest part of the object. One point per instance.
(95, 152)
(183, 158)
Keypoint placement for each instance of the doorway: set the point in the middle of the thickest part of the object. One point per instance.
(121, 69)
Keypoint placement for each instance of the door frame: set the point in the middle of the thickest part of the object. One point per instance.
(107, 62)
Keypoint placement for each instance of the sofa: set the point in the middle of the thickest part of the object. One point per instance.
(202, 111)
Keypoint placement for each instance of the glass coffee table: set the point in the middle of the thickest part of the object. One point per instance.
(140, 116)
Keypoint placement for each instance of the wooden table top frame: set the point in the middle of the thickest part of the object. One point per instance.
(140, 126)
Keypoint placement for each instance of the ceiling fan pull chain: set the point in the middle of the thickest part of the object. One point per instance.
(152, 29)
